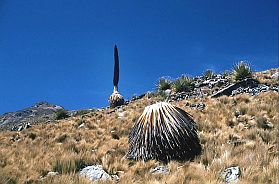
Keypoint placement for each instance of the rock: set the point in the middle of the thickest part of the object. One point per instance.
(167, 92)
(275, 75)
(136, 97)
(267, 125)
(121, 115)
(15, 138)
(231, 174)
(239, 86)
(115, 177)
(95, 172)
(160, 170)
(198, 106)
(81, 125)
(51, 173)
(21, 127)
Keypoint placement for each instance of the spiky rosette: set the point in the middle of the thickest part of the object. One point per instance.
(163, 132)
(116, 99)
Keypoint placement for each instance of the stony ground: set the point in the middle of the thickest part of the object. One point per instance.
(239, 130)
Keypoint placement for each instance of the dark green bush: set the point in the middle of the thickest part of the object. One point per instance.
(183, 83)
(61, 114)
(61, 138)
(242, 71)
(164, 84)
(209, 74)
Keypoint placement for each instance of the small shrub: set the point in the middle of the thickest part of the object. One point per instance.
(80, 121)
(6, 179)
(208, 74)
(226, 73)
(61, 114)
(68, 166)
(164, 84)
(242, 71)
(61, 138)
(82, 112)
(183, 83)
(32, 135)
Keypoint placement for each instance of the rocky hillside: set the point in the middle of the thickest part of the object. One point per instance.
(38, 113)
(237, 125)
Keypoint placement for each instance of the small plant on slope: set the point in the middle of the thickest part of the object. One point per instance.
(242, 71)
(164, 84)
(61, 114)
(209, 74)
(183, 83)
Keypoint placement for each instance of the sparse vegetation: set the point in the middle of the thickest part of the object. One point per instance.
(209, 74)
(82, 112)
(242, 71)
(183, 83)
(164, 83)
(68, 165)
(232, 131)
(61, 114)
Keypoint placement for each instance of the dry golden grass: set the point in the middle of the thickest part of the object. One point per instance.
(230, 129)
(265, 77)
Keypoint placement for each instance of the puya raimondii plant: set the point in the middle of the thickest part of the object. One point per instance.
(116, 99)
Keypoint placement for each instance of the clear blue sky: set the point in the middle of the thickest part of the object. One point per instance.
(62, 51)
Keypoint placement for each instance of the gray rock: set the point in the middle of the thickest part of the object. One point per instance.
(115, 177)
(167, 92)
(95, 172)
(231, 174)
(21, 127)
(267, 125)
(81, 125)
(275, 75)
(239, 86)
(51, 173)
(160, 170)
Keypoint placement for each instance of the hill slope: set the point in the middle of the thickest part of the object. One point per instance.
(240, 130)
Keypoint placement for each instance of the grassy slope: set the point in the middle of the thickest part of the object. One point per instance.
(227, 140)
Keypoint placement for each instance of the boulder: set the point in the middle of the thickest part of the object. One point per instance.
(231, 174)
(275, 75)
(242, 84)
(95, 172)
(160, 170)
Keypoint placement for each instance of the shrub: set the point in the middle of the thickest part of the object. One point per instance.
(164, 84)
(82, 112)
(226, 73)
(183, 83)
(61, 114)
(208, 74)
(68, 166)
(242, 71)
(61, 138)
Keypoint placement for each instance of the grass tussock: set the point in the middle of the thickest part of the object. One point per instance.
(232, 132)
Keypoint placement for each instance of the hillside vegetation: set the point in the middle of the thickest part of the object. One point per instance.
(240, 130)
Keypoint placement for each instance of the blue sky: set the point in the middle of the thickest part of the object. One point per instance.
(62, 51)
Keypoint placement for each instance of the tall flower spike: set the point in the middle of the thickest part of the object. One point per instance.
(116, 68)
(163, 132)
(116, 99)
